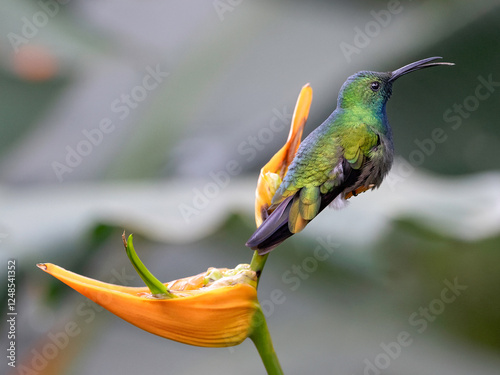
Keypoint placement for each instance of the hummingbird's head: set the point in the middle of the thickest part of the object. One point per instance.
(373, 89)
(365, 89)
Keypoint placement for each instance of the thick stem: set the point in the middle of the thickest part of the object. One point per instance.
(258, 263)
(262, 340)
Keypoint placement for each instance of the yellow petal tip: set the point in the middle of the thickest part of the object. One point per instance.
(42, 266)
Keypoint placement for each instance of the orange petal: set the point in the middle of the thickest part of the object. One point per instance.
(213, 318)
(273, 172)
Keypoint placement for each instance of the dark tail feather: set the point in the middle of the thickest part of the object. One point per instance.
(277, 237)
(274, 230)
(280, 235)
(266, 237)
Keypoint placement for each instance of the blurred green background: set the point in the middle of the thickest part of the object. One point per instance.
(124, 115)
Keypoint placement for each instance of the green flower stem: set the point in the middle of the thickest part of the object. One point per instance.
(157, 288)
(257, 264)
(262, 340)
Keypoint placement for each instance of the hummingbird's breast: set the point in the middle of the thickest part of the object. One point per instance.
(378, 161)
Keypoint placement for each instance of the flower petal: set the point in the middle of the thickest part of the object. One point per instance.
(214, 318)
(272, 173)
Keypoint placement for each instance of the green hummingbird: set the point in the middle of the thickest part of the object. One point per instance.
(350, 152)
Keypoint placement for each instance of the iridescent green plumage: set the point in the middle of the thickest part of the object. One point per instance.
(351, 151)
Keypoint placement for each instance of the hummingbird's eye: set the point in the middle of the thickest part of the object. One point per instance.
(375, 86)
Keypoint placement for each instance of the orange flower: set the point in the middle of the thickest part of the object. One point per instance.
(213, 309)
(271, 174)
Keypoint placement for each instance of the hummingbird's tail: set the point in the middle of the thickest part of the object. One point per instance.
(274, 230)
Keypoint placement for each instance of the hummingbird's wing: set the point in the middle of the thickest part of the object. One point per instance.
(326, 166)
(287, 219)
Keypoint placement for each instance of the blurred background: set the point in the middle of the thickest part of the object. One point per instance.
(155, 117)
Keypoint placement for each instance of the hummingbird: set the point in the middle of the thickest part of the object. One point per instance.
(349, 153)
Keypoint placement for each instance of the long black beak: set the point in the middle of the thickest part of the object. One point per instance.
(417, 65)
